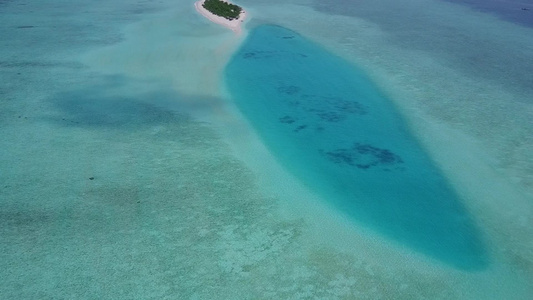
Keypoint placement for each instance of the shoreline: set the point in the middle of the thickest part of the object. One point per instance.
(234, 25)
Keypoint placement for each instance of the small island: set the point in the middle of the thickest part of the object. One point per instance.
(223, 9)
(223, 13)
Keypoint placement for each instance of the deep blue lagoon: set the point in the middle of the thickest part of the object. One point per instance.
(332, 127)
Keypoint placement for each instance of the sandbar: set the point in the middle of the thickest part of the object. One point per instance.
(234, 25)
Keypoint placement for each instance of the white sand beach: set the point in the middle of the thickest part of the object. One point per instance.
(234, 25)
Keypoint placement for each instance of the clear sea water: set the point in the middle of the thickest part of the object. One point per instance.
(147, 153)
(331, 126)
(516, 11)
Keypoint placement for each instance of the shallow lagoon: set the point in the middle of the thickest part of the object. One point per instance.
(332, 127)
(185, 200)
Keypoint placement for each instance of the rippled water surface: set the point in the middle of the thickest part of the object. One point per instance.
(335, 150)
(331, 126)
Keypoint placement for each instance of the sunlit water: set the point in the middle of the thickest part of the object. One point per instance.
(128, 171)
(330, 125)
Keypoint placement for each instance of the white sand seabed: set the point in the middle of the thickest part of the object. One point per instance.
(234, 25)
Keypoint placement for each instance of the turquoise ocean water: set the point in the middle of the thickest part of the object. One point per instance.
(331, 126)
(335, 150)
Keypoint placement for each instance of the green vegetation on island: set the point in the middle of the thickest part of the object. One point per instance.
(223, 9)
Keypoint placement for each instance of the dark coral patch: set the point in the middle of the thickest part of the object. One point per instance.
(339, 156)
(259, 54)
(249, 55)
(364, 156)
(331, 116)
(332, 109)
(287, 120)
(383, 155)
(270, 54)
(349, 107)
